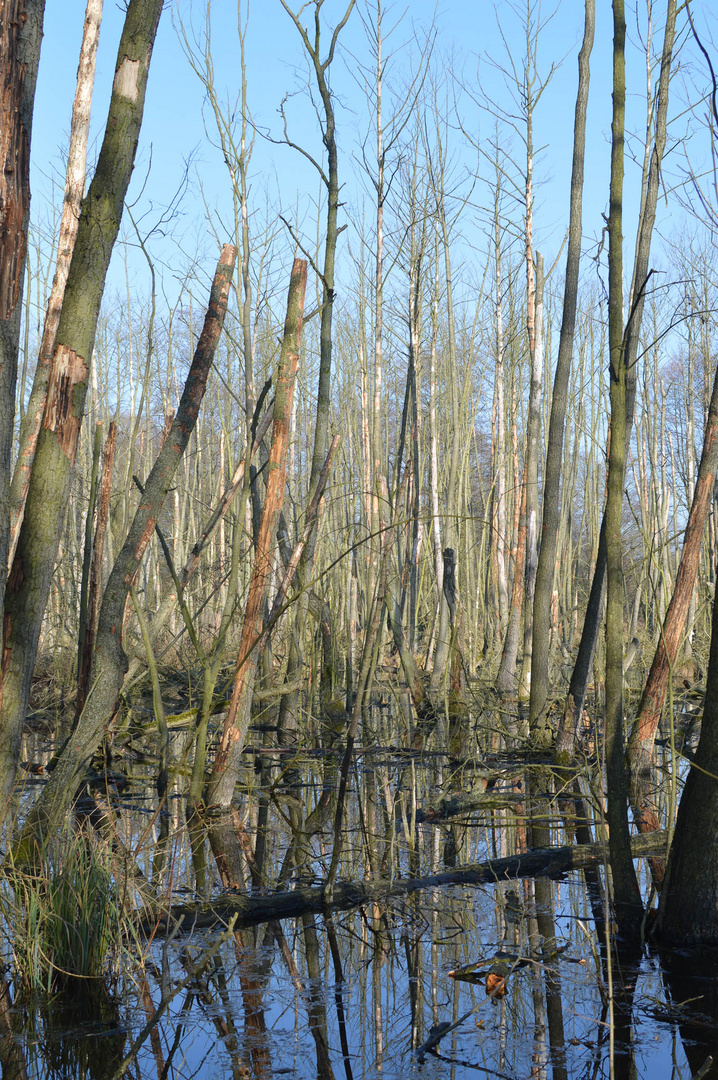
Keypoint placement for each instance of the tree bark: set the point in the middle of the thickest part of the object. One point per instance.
(110, 661)
(533, 434)
(498, 455)
(20, 37)
(31, 574)
(506, 677)
(330, 179)
(643, 733)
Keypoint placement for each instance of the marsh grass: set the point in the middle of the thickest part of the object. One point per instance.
(64, 924)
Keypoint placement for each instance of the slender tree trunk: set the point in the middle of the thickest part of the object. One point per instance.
(533, 434)
(87, 547)
(554, 450)
(499, 449)
(450, 508)
(506, 677)
(330, 178)
(627, 899)
(640, 748)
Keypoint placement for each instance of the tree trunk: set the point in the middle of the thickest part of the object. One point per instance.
(506, 677)
(570, 720)
(533, 434)
(554, 450)
(498, 455)
(626, 895)
(224, 773)
(32, 569)
(288, 708)
(251, 910)
(74, 191)
(20, 37)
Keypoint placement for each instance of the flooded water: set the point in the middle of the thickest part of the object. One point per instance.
(516, 976)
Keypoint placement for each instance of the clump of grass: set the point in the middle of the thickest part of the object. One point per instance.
(64, 922)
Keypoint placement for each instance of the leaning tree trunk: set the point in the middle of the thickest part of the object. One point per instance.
(644, 729)
(31, 573)
(110, 661)
(20, 37)
(225, 771)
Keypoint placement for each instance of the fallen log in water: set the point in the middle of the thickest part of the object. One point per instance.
(255, 908)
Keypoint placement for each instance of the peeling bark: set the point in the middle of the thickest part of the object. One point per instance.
(69, 371)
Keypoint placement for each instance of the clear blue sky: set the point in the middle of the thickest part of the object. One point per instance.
(174, 116)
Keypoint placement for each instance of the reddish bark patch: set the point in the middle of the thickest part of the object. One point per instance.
(68, 371)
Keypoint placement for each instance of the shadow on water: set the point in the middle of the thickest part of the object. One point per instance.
(505, 976)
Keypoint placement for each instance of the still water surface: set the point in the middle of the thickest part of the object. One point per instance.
(359, 994)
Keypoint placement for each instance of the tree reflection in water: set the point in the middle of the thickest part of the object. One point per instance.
(506, 978)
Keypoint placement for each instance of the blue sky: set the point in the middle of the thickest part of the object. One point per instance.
(467, 40)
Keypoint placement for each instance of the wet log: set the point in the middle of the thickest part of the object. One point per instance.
(252, 909)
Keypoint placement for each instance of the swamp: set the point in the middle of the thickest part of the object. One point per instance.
(358, 540)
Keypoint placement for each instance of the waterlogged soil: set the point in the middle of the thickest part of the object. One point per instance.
(366, 993)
